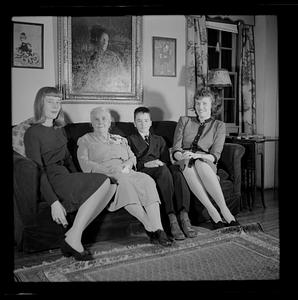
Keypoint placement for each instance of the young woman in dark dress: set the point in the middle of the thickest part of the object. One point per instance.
(65, 189)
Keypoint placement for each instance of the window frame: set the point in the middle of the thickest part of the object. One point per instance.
(221, 26)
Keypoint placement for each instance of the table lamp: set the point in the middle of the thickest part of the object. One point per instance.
(217, 80)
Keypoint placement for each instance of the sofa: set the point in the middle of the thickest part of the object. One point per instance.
(34, 229)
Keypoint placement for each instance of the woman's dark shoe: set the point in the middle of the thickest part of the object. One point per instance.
(159, 237)
(217, 225)
(187, 229)
(176, 231)
(68, 251)
(233, 223)
(162, 238)
(150, 234)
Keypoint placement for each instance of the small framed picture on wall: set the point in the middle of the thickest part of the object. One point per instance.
(164, 56)
(27, 50)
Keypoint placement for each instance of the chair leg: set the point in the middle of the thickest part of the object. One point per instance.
(262, 180)
(248, 185)
(254, 186)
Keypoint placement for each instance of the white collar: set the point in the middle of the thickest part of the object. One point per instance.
(143, 135)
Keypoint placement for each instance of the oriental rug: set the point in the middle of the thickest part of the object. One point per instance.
(235, 253)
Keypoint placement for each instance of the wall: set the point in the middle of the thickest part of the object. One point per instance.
(166, 95)
(26, 82)
(267, 116)
(162, 94)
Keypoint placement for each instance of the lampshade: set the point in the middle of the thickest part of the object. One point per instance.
(219, 78)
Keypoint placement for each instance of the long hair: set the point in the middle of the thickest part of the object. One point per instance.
(39, 116)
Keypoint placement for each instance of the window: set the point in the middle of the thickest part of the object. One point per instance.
(222, 46)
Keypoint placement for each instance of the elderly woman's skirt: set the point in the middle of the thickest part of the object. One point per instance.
(134, 188)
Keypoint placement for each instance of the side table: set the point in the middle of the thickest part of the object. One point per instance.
(254, 146)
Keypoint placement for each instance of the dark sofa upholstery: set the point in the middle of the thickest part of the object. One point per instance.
(33, 227)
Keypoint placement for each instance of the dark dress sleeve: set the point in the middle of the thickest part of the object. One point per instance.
(32, 148)
(178, 137)
(68, 161)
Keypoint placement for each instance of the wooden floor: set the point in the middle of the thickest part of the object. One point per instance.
(268, 218)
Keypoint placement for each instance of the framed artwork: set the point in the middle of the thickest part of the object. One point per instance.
(164, 56)
(99, 59)
(27, 45)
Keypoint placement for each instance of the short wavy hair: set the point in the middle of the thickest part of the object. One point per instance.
(104, 110)
(141, 109)
(39, 116)
(215, 101)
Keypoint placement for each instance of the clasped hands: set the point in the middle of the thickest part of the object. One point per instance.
(188, 155)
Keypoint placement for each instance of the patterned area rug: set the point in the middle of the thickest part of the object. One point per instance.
(236, 253)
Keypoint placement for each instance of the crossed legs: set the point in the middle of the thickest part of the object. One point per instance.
(202, 181)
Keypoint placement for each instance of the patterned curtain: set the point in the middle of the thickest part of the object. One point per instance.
(247, 80)
(196, 57)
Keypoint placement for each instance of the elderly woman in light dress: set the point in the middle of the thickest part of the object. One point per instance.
(109, 154)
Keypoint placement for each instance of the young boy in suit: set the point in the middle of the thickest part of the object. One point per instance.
(153, 159)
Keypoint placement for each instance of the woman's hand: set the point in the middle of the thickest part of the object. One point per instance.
(126, 166)
(153, 163)
(125, 169)
(59, 213)
(189, 155)
(197, 155)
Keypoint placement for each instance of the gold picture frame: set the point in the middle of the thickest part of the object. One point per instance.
(88, 71)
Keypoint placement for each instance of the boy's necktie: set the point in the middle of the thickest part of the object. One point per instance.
(147, 139)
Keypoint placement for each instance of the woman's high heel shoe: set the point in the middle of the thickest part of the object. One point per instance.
(68, 251)
(233, 223)
(217, 225)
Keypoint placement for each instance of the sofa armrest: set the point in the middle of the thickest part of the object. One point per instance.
(26, 180)
(230, 161)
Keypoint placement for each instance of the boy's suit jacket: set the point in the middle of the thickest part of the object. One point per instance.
(157, 149)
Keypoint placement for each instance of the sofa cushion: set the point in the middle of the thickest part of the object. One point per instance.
(18, 132)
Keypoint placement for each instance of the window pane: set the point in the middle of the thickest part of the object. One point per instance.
(226, 59)
(229, 111)
(213, 59)
(228, 91)
(212, 35)
(226, 39)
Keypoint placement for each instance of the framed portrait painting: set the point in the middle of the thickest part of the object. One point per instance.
(100, 59)
(164, 56)
(27, 45)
